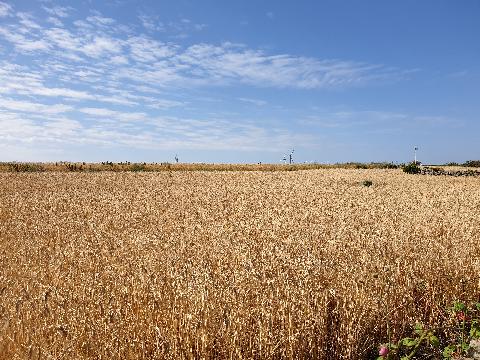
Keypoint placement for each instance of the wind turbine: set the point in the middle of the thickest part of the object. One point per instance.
(291, 156)
(415, 153)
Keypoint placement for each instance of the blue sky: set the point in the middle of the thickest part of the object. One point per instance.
(239, 81)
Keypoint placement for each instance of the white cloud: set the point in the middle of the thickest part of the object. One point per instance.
(160, 75)
(23, 44)
(100, 21)
(62, 129)
(114, 115)
(82, 25)
(163, 64)
(151, 23)
(21, 129)
(199, 27)
(102, 46)
(98, 112)
(184, 27)
(230, 63)
(66, 92)
(5, 9)
(163, 104)
(32, 46)
(27, 21)
(55, 21)
(458, 74)
(13, 127)
(35, 108)
(368, 120)
(17, 81)
(119, 60)
(257, 102)
(147, 50)
(58, 11)
(63, 38)
(61, 92)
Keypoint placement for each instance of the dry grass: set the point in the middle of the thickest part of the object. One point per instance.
(305, 264)
(158, 167)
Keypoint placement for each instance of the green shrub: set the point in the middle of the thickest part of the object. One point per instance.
(411, 168)
(390, 166)
(25, 167)
(367, 183)
(137, 167)
(73, 167)
(472, 163)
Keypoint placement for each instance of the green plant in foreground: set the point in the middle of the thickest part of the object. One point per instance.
(466, 328)
(367, 183)
(409, 345)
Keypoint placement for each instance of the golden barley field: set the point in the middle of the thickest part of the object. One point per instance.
(230, 264)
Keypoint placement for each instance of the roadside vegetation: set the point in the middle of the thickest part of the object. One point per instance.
(165, 166)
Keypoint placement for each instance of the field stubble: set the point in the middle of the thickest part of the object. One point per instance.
(305, 264)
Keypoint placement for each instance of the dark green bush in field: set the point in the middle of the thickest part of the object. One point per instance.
(361, 166)
(25, 167)
(472, 163)
(390, 166)
(411, 168)
(367, 183)
(137, 167)
(74, 167)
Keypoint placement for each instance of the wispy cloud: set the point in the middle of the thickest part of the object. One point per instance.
(100, 21)
(257, 102)
(27, 20)
(105, 83)
(367, 120)
(146, 50)
(102, 46)
(22, 43)
(5, 9)
(151, 23)
(114, 115)
(34, 108)
(58, 11)
(200, 64)
(55, 21)
(459, 74)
